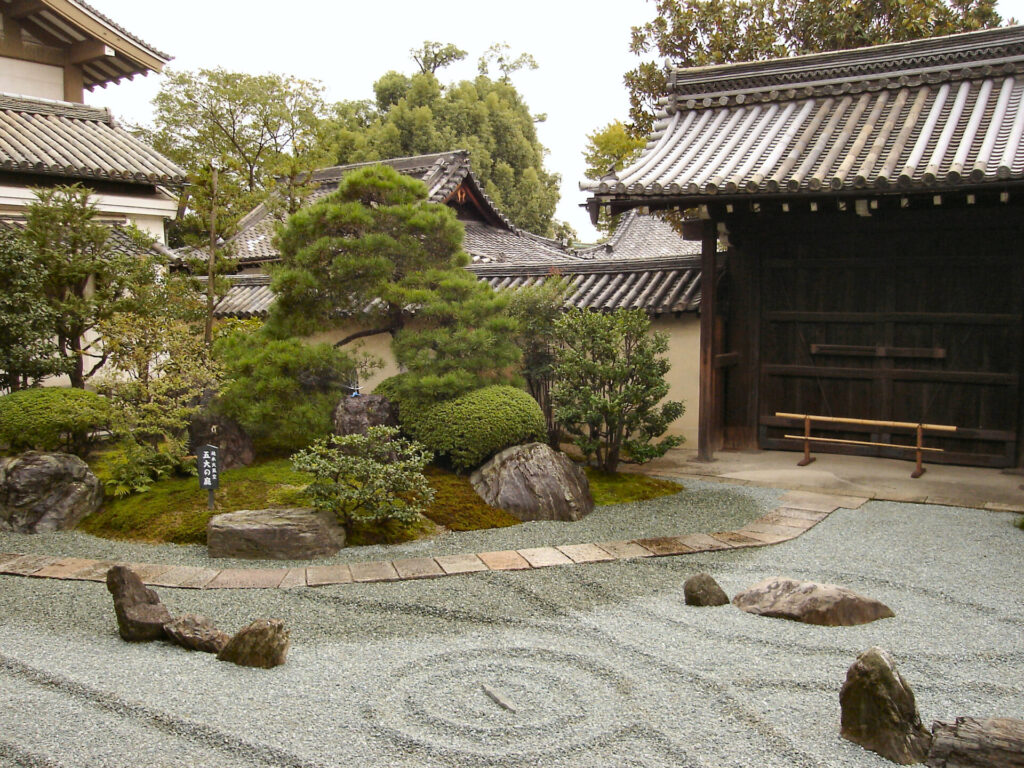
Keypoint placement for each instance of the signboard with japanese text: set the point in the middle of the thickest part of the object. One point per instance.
(208, 463)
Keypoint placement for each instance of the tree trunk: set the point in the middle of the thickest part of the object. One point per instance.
(971, 743)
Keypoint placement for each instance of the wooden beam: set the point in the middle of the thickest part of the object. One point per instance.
(89, 50)
(74, 84)
(708, 405)
(22, 8)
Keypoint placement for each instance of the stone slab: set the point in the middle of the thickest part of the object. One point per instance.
(295, 577)
(800, 514)
(766, 538)
(759, 526)
(820, 502)
(95, 571)
(585, 553)
(735, 540)
(665, 545)
(418, 568)
(322, 575)
(701, 542)
(800, 524)
(248, 578)
(7, 557)
(624, 550)
(544, 557)
(506, 560)
(63, 568)
(997, 507)
(185, 577)
(26, 565)
(381, 570)
(149, 571)
(453, 564)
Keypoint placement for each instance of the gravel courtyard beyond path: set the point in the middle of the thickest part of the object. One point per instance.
(598, 665)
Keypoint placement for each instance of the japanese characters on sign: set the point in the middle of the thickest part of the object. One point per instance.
(208, 460)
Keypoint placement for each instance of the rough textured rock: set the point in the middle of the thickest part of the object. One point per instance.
(236, 449)
(140, 614)
(278, 534)
(879, 711)
(534, 482)
(355, 415)
(197, 633)
(701, 589)
(975, 743)
(810, 602)
(42, 492)
(264, 643)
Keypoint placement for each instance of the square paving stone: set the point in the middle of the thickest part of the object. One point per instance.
(799, 514)
(95, 571)
(453, 564)
(63, 568)
(624, 550)
(149, 571)
(818, 502)
(26, 565)
(7, 557)
(800, 524)
(295, 577)
(778, 530)
(185, 577)
(734, 539)
(321, 575)
(702, 542)
(766, 537)
(506, 560)
(418, 568)
(381, 570)
(665, 545)
(585, 553)
(248, 578)
(544, 557)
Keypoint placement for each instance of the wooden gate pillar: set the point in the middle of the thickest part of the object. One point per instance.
(708, 405)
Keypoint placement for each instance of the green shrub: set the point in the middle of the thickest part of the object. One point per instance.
(470, 429)
(51, 419)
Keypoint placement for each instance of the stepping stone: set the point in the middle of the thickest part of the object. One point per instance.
(418, 568)
(624, 550)
(760, 526)
(26, 565)
(321, 575)
(454, 564)
(585, 553)
(820, 502)
(247, 578)
(766, 538)
(544, 557)
(736, 540)
(800, 514)
(185, 577)
(506, 560)
(295, 577)
(148, 571)
(995, 506)
(665, 545)
(7, 557)
(365, 573)
(776, 518)
(96, 571)
(702, 542)
(63, 568)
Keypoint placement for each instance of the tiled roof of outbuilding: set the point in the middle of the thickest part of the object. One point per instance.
(642, 236)
(922, 116)
(74, 141)
(120, 239)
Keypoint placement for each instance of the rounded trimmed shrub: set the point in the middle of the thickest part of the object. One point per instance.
(51, 419)
(470, 429)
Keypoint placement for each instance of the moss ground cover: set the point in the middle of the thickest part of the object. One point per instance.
(623, 487)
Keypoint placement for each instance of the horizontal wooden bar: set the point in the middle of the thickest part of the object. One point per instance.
(727, 359)
(951, 318)
(895, 374)
(867, 422)
(862, 442)
(979, 459)
(929, 353)
(962, 433)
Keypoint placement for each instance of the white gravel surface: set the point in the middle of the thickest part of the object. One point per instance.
(602, 664)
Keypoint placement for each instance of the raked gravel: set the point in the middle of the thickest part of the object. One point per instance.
(599, 665)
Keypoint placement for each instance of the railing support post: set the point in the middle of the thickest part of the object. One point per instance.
(920, 466)
(807, 443)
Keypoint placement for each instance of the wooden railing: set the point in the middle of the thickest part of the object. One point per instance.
(919, 449)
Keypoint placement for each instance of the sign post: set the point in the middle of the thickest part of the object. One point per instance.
(208, 459)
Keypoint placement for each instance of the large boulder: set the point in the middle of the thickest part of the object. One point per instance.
(42, 492)
(534, 482)
(702, 590)
(196, 633)
(140, 614)
(274, 534)
(355, 415)
(811, 603)
(236, 449)
(264, 643)
(879, 711)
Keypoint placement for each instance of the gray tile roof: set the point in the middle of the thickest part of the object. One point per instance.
(924, 116)
(120, 239)
(74, 141)
(642, 236)
(659, 286)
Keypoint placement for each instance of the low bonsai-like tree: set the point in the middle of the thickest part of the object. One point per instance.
(609, 380)
(367, 478)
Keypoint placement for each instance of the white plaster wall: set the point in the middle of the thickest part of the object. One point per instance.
(28, 78)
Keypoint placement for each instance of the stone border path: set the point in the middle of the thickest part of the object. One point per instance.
(800, 511)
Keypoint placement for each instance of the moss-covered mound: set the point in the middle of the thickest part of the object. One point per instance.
(623, 488)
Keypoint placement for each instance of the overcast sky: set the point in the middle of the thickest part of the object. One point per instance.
(582, 48)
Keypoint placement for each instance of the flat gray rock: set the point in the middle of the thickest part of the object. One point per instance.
(299, 533)
(41, 492)
(812, 603)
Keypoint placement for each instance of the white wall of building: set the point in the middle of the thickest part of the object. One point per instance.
(27, 78)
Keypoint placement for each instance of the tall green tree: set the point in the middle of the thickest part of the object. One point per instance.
(87, 275)
(693, 33)
(608, 149)
(28, 346)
